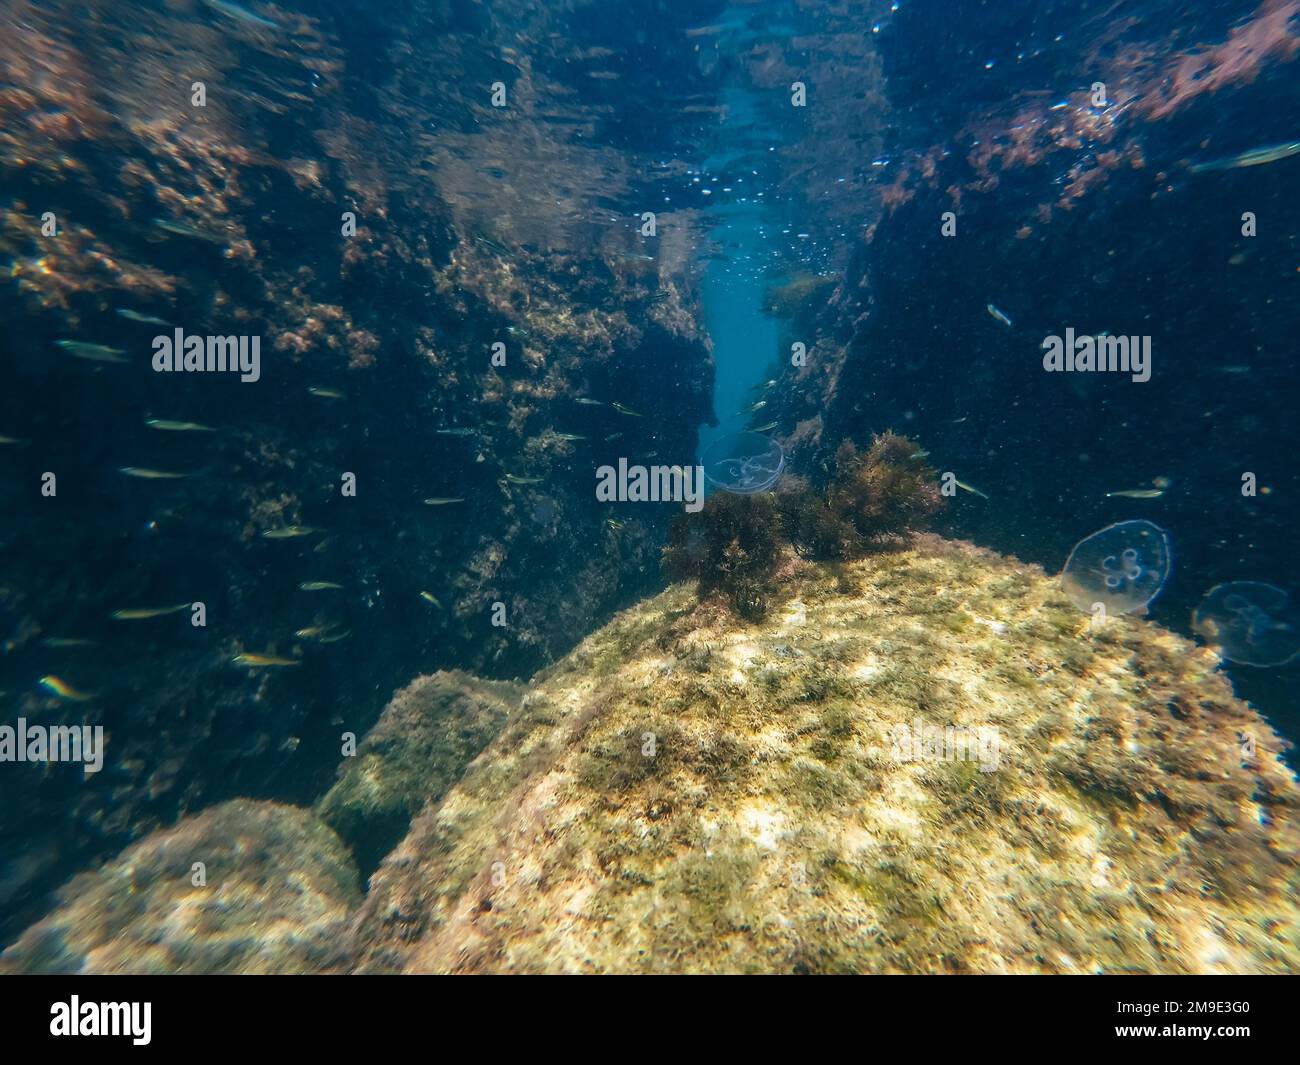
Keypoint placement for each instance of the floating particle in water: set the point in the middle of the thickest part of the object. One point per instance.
(743, 463)
(1249, 622)
(545, 512)
(1123, 567)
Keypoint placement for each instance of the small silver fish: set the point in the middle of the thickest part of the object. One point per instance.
(522, 480)
(182, 229)
(1137, 493)
(254, 660)
(327, 393)
(589, 402)
(311, 631)
(287, 532)
(998, 315)
(144, 613)
(80, 349)
(64, 690)
(178, 427)
(146, 474)
(971, 489)
(319, 586)
(455, 432)
(1255, 157)
(442, 501)
(136, 316)
(428, 597)
(324, 633)
(240, 13)
(491, 245)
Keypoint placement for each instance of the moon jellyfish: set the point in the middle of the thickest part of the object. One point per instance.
(743, 463)
(1123, 567)
(1249, 622)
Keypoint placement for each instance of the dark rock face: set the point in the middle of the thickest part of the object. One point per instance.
(1071, 213)
(474, 226)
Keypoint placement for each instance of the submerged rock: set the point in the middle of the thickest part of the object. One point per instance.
(925, 761)
(428, 733)
(279, 887)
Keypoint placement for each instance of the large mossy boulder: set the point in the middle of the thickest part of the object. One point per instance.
(924, 761)
(428, 733)
(276, 893)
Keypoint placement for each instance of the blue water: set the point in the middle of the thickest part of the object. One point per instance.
(744, 339)
(731, 290)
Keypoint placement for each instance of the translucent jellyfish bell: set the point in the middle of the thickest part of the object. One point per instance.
(1249, 622)
(1123, 567)
(743, 463)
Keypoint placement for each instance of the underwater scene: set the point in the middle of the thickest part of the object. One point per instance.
(649, 487)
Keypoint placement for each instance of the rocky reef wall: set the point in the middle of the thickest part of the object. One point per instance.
(474, 225)
(1070, 167)
(1066, 162)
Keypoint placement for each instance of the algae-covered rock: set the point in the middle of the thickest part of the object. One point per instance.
(926, 761)
(426, 736)
(279, 887)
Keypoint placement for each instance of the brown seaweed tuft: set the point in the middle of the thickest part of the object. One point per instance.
(733, 546)
(736, 545)
(875, 499)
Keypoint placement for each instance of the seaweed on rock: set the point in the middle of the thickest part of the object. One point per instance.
(733, 546)
(793, 796)
(738, 547)
(874, 500)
